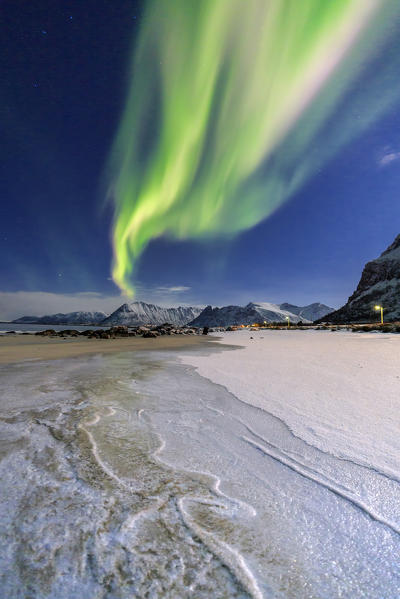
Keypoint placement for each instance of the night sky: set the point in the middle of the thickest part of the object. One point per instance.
(64, 77)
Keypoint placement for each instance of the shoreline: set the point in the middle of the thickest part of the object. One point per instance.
(20, 348)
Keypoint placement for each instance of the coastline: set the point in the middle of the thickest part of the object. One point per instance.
(115, 464)
(20, 348)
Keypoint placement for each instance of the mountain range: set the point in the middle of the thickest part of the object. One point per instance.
(139, 313)
(379, 285)
(60, 318)
(259, 312)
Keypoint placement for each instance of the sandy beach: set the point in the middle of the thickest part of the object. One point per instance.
(18, 348)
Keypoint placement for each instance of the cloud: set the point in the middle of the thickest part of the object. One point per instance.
(88, 294)
(389, 158)
(177, 289)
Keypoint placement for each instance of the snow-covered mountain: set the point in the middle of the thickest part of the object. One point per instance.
(138, 313)
(254, 312)
(69, 318)
(311, 312)
(379, 284)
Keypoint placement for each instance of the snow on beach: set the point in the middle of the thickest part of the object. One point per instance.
(338, 391)
(134, 474)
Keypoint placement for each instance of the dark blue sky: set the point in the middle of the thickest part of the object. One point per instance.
(63, 72)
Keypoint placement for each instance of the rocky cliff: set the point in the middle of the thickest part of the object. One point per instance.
(379, 284)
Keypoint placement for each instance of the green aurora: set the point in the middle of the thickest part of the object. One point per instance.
(232, 105)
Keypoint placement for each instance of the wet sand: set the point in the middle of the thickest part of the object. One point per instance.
(17, 348)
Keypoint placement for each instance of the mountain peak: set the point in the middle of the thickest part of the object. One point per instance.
(139, 313)
(392, 247)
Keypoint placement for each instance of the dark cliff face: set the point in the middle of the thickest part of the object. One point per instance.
(379, 284)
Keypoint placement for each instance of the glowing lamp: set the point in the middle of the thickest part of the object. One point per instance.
(381, 309)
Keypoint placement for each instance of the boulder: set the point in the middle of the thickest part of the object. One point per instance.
(150, 334)
(119, 330)
(46, 333)
(142, 330)
(69, 333)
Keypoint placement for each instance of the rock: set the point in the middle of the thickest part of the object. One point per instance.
(46, 333)
(147, 334)
(142, 330)
(120, 331)
(69, 333)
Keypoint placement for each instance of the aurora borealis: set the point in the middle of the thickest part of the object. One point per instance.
(148, 136)
(232, 106)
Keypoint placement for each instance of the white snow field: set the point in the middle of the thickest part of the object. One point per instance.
(339, 391)
(253, 468)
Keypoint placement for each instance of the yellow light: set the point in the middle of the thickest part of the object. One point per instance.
(381, 309)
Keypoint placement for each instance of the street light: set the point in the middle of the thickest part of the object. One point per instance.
(288, 321)
(381, 309)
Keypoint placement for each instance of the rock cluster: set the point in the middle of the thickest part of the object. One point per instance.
(119, 331)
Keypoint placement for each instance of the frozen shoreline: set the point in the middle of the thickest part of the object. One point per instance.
(130, 474)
